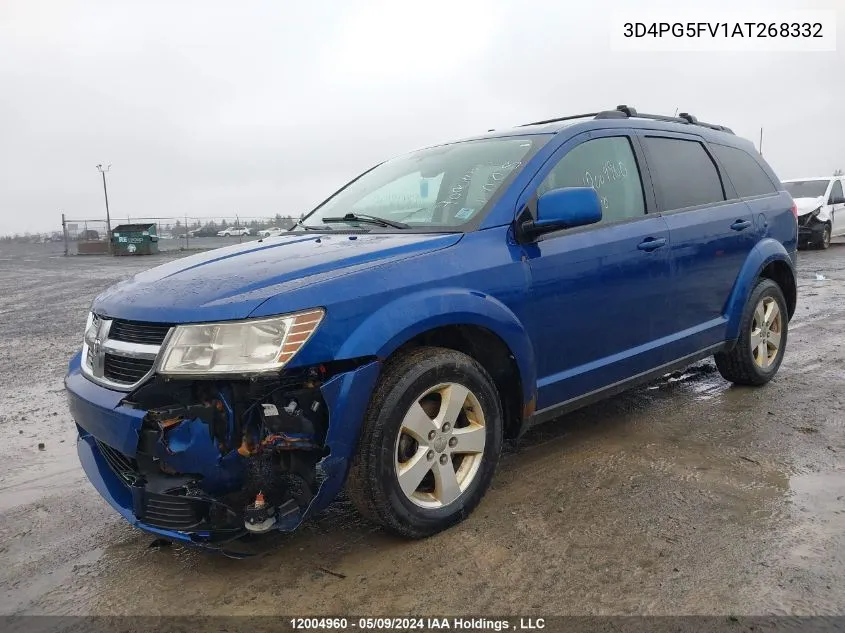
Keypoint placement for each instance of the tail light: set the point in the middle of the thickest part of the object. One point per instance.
(795, 211)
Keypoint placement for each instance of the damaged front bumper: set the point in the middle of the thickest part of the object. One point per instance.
(810, 229)
(193, 477)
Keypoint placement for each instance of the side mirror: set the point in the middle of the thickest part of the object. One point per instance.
(564, 209)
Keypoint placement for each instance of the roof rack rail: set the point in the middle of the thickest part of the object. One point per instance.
(624, 112)
(562, 118)
(683, 117)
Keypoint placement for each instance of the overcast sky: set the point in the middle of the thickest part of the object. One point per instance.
(215, 108)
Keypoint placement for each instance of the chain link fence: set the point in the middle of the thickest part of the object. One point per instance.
(92, 237)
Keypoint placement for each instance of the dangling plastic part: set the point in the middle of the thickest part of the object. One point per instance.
(259, 517)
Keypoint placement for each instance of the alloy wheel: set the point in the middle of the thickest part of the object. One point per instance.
(766, 330)
(440, 445)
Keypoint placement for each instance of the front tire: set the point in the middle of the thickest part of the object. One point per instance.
(824, 239)
(758, 352)
(429, 444)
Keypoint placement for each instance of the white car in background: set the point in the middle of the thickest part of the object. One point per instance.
(234, 230)
(821, 209)
(273, 231)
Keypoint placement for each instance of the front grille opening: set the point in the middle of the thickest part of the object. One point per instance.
(122, 369)
(142, 333)
(806, 220)
(124, 467)
(173, 512)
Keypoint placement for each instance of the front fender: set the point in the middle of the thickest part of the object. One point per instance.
(764, 253)
(825, 214)
(393, 324)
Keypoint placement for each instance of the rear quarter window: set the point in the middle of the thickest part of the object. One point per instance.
(745, 172)
(684, 173)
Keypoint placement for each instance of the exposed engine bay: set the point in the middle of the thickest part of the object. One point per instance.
(221, 458)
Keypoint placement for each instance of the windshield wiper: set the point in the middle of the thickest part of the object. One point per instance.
(368, 219)
(306, 226)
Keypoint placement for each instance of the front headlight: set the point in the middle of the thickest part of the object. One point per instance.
(255, 345)
(92, 326)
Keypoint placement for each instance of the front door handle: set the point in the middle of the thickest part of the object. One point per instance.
(651, 243)
(740, 225)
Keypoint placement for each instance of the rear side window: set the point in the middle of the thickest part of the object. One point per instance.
(684, 173)
(745, 173)
(608, 165)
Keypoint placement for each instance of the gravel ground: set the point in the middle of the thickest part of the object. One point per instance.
(686, 496)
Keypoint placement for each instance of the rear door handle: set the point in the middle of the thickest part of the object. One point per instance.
(651, 243)
(739, 225)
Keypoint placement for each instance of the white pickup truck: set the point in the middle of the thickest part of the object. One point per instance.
(821, 209)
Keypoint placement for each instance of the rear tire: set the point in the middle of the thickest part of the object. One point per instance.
(758, 352)
(429, 444)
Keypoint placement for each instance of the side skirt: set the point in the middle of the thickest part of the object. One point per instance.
(555, 411)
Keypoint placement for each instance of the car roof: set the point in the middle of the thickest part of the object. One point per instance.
(810, 178)
(621, 117)
(633, 122)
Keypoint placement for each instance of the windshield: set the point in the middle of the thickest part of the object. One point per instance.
(441, 188)
(806, 188)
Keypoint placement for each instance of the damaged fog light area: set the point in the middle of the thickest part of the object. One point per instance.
(220, 458)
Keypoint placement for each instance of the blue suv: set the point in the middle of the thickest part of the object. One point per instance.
(438, 303)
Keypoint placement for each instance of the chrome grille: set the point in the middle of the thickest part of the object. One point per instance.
(134, 332)
(121, 354)
(126, 370)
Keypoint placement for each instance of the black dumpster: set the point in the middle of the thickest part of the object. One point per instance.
(134, 239)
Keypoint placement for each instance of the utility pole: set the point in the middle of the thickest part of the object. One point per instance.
(64, 232)
(761, 141)
(106, 194)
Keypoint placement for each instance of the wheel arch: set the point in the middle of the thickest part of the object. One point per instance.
(767, 259)
(781, 273)
(492, 353)
(471, 322)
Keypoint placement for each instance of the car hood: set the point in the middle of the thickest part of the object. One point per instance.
(229, 283)
(806, 205)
